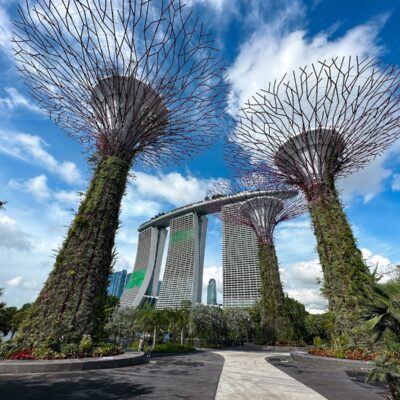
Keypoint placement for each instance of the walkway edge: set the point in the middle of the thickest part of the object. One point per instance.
(83, 364)
(353, 365)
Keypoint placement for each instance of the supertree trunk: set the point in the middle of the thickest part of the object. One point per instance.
(72, 300)
(347, 280)
(275, 323)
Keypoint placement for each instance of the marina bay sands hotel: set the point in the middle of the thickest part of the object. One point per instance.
(183, 275)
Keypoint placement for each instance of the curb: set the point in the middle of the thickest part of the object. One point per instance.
(80, 364)
(319, 361)
(278, 349)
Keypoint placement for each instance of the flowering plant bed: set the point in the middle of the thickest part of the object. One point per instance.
(356, 354)
(12, 351)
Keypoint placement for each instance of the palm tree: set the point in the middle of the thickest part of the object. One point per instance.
(381, 315)
(183, 317)
(389, 369)
(151, 319)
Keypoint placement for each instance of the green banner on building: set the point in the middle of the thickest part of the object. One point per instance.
(136, 278)
(182, 235)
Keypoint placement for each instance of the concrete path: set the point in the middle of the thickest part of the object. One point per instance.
(247, 376)
(188, 376)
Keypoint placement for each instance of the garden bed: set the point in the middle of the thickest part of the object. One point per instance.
(45, 366)
(331, 362)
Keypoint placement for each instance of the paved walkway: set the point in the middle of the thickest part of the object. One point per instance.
(187, 376)
(247, 376)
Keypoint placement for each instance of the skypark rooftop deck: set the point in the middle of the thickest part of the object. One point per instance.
(211, 206)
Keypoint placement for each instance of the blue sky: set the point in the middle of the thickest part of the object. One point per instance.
(42, 170)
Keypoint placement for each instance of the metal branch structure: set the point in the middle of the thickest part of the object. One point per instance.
(134, 81)
(137, 78)
(262, 214)
(325, 121)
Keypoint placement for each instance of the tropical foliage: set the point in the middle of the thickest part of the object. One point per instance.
(382, 321)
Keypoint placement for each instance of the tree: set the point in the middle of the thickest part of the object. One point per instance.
(382, 314)
(238, 324)
(134, 82)
(21, 315)
(272, 203)
(322, 122)
(208, 323)
(150, 320)
(6, 317)
(2, 310)
(183, 318)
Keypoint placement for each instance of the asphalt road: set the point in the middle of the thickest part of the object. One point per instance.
(194, 376)
(332, 383)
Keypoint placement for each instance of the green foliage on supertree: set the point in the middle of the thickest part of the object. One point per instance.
(275, 322)
(73, 299)
(347, 280)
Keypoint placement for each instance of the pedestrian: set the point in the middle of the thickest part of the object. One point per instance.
(141, 344)
(149, 346)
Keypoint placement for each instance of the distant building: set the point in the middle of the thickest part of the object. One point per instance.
(212, 292)
(240, 265)
(183, 275)
(143, 283)
(117, 283)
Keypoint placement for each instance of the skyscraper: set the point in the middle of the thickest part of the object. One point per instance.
(212, 292)
(241, 270)
(117, 283)
(143, 283)
(183, 276)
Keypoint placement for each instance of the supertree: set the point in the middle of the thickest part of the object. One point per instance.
(262, 214)
(323, 122)
(134, 81)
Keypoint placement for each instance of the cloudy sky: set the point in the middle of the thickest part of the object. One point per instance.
(43, 172)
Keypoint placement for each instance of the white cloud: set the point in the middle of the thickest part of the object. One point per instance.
(12, 236)
(310, 297)
(39, 189)
(18, 281)
(31, 148)
(301, 281)
(134, 205)
(272, 50)
(383, 266)
(367, 182)
(172, 187)
(6, 28)
(14, 100)
(396, 183)
(35, 186)
(217, 4)
(14, 281)
(30, 285)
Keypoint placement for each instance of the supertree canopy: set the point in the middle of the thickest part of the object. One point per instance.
(133, 81)
(262, 214)
(323, 122)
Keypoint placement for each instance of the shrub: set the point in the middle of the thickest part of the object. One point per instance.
(86, 344)
(106, 349)
(173, 348)
(45, 353)
(70, 350)
(7, 348)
